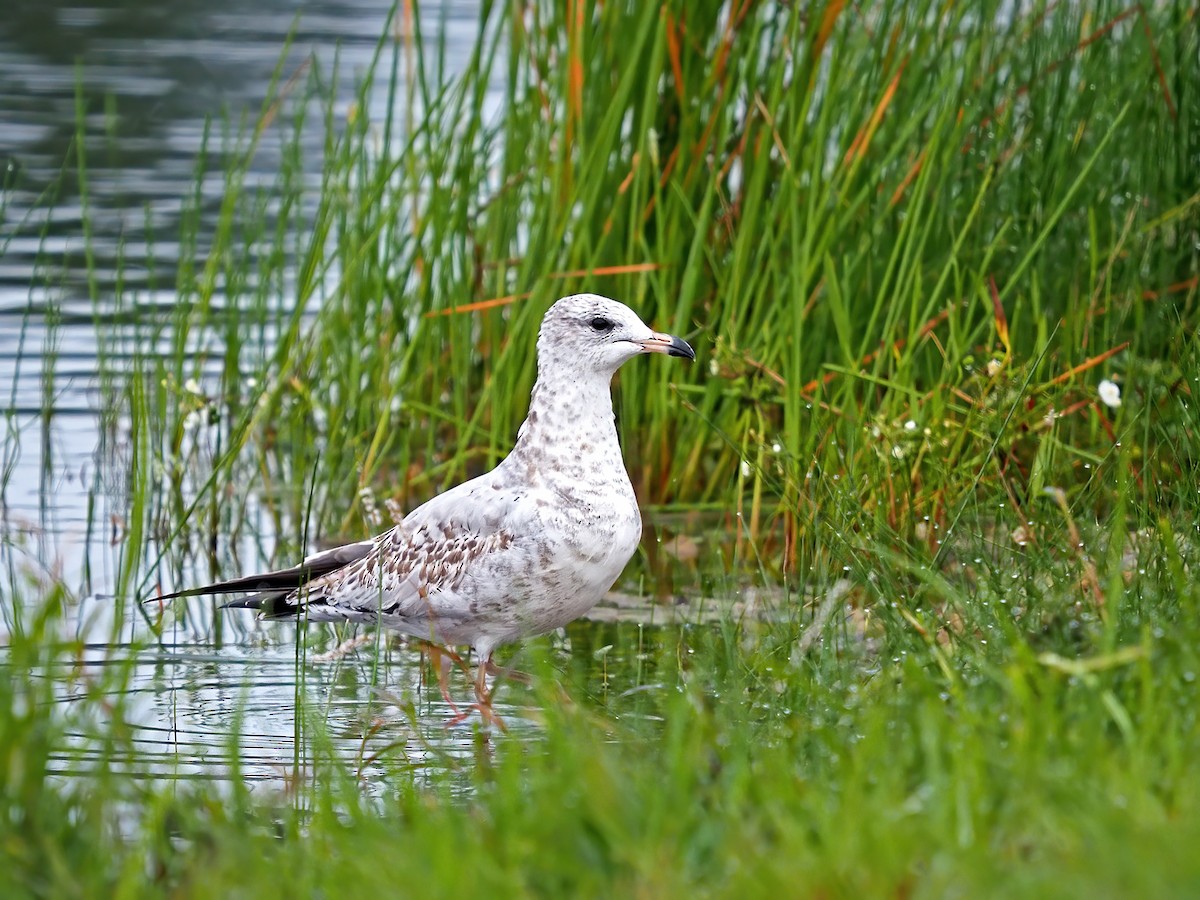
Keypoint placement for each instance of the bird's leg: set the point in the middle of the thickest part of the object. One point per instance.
(441, 665)
(482, 694)
(507, 673)
(442, 658)
(483, 697)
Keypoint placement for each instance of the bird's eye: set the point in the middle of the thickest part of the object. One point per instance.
(601, 324)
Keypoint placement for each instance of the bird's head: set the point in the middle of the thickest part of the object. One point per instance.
(600, 335)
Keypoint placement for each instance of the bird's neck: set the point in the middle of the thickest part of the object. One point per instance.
(571, 419)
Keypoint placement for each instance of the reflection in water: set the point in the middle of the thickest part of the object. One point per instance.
(201, 711)
(195, 709)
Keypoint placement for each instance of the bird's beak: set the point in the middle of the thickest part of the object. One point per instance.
(668, 344)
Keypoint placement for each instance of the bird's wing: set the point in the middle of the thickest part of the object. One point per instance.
(397, 572)
(411, 571)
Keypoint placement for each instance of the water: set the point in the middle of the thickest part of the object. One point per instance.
(203, 711)
(147, 78)
(139, 82)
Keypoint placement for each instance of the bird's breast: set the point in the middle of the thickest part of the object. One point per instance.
(599, 531)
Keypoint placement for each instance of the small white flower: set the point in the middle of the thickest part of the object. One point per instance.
(192, 386)
(746, 469)
(776, 447)
(898, 452)
(910, 425)
(1110, 393)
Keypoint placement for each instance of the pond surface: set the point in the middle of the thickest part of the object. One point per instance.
(204, 711)
(140, 83)
(144, 87)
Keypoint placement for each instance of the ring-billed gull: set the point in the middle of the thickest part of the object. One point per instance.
(520, 551)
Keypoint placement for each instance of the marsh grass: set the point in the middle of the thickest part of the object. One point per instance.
(908, 240)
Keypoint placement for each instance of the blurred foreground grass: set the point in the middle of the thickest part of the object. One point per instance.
(908, 241)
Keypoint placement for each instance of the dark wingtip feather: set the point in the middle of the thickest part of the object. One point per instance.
(269, 606)
(284, 580)
(278, 584)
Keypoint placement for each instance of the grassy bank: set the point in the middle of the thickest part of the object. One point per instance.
(908, 242)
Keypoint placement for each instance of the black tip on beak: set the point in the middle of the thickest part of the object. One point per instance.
(680, 348)
(668, 344)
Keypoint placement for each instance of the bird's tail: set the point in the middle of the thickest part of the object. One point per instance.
(278, 594)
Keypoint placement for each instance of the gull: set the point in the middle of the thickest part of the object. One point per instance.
(521, 551)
